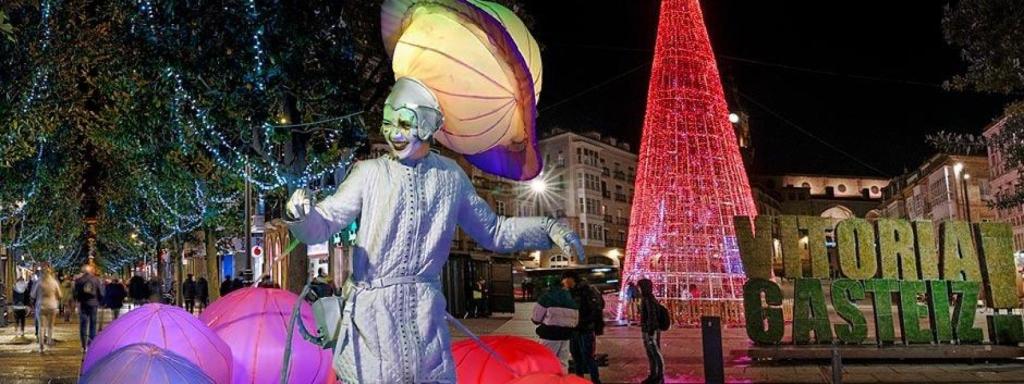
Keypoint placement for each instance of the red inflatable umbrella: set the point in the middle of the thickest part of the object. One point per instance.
(170, 328)
(547, 378)
(254, 322)
(144, 363)
(474, 364)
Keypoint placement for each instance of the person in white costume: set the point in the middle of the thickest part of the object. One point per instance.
(408, 203)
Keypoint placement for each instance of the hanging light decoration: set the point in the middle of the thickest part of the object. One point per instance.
(690, 178)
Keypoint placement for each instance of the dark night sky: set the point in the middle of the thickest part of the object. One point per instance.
(863, 76)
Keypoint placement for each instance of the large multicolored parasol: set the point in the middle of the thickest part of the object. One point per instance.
(170, 328)
(144, 363)
(484, 68)
(254, 321)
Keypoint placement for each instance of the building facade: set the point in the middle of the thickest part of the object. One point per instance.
(588, 182)
(835, 196)
(1004, 181)
(946, 187)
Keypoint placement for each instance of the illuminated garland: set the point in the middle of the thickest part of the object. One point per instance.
(264, 177)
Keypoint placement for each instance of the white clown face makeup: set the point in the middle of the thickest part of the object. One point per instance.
(399, 129)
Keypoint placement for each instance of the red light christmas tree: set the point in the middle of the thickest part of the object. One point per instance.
(690, 179)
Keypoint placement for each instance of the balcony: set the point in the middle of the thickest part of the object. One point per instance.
(619, 175)
(608, 219)
(605, 172)
(620, 197)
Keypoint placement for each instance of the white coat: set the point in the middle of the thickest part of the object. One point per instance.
(394, 328)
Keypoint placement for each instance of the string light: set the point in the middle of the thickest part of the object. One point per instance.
(690, 178)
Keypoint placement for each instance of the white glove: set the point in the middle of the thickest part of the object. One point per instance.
(567, 240)
(300, 204)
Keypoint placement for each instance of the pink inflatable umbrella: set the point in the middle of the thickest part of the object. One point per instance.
(254, 321)
(474, 364)
(144, 363)
(170, 328)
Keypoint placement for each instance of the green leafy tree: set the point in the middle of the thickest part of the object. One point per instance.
(990, 34)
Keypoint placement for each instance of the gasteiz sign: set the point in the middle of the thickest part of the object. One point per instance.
(933, 274)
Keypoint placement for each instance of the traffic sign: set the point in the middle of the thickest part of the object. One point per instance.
(257, 251)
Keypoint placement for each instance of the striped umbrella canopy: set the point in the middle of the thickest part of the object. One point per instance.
(254, 321)
(483, 66)
(170, 328)
(144, 363)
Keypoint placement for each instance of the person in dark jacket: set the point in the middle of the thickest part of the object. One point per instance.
(155, 289)
(138, 290)
(556, 316)
(188, 293)
(20, 304)
(651, 331)
(584, 341)
(226, 285)
(115, 295)
(203, 293)
(89, 294)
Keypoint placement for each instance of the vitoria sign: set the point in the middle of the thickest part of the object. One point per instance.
(933, 274)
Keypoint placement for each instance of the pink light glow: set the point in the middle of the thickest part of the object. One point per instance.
(690, 178)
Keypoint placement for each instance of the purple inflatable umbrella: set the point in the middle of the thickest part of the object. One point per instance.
(254, 322)
(144, 363)
(170, 328)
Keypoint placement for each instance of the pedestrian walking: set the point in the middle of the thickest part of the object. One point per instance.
(155, 289)
(584, 342)
(225, 286)
(650, 324)
(632, 302)
(20, 305)
(115, 295)
(66, 299)
(47, 296)
(556, 316)
(88, 292)
(188, 293)
(203, 293)
(138, 290)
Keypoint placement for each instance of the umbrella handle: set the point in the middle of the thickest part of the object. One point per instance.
(291, 330)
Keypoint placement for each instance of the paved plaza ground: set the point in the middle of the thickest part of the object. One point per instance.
(20, 362)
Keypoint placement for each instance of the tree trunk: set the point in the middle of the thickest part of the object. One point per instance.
(212, 264)
(298, 261)
(179, 269)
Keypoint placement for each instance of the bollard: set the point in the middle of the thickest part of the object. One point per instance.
(837, 366)
(711, 335)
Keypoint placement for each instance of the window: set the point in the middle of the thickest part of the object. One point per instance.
(592, 182)
(842, 188)
(805, 185)
(874, 190)
(560, 162)
(596, 231)
(499, 208)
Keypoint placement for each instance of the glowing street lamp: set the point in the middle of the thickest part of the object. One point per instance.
(734, 118)
(538, 185)
(957, 168)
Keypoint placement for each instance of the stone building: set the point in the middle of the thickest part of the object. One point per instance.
(1004, 181)
(835, 196)
(938, 189)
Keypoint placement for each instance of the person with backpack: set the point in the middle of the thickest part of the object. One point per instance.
(557, 315)
(653, 320)
(88, 293)
(584, 342)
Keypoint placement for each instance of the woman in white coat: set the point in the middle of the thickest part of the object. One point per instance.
(47, 294)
